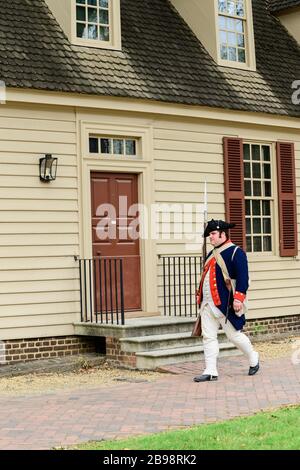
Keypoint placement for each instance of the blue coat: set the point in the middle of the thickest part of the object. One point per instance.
(238, 270)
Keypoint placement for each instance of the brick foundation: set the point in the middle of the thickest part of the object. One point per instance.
(113, 352)
(23, 350)
(265, 328)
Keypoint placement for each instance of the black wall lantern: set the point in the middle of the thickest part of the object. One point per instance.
(48, 167)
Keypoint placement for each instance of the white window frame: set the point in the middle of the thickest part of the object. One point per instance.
(274, 203)
(250, 63)
(114, 29)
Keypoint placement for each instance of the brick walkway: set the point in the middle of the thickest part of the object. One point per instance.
(68, 417)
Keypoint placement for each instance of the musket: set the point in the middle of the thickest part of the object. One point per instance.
(204, 245)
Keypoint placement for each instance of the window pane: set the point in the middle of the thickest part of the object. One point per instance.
(130, 147)
(239, 27)
(256, 170)
(255, 152)
(224, 54)
(248, 207)
(103, 3)
(247, 171)
(246, 152)
(267, 185)
(105, 145)
(240, 8)
(80, 13)
(222, 22)
(94, 146)
(266, 153)
(81, 30)
(230, 24)
(223, 37)
(92, 2)
(241, 55)
(256, 188)
(92, 15)
(257, 245)
(249, 244)
(240, 40)
(256, 225)
(232, 39)
(118, 147)
(104, 16)
(222, 6)
(266, 207)
(104, 33)
(267, 171)
(267, 225)
(267, 244)
(256, 207)
(248, 188)
(230, 7)
(81, 1)
(248, 226)
(232, 53)
(93, 31)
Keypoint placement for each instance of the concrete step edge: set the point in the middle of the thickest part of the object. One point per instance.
(181, 350)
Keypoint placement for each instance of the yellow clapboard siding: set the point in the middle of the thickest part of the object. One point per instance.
(37, 331)
(177, 155)
(39, 227)
(40, 112)
(203, 168)
(21, 159)
(29, 136)
(38, 286)
(31, 170)
(8, 181)
(36, 308)
(186, 186)
(40, 192)
(38, 147)
(39, 206)
(27, 217)
(37, 251)
(42, 239)
(40, 262)
(37, 124)
(32, 298)
(163, 176)
(31, 321)
(46, 274)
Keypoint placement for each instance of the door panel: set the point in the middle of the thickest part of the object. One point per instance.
(112, 235)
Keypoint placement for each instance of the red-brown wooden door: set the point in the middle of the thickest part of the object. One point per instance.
(112, 227)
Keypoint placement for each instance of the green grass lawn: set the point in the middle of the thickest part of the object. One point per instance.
(279, 429)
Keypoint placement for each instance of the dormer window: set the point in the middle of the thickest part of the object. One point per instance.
(93, 19)
(224, 27)
(232, 30)
(96, 23)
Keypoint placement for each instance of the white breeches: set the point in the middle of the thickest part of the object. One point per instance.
(210, 326)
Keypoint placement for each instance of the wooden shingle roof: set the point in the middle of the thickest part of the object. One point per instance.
(161, 59)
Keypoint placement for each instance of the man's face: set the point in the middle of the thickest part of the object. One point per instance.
(216, 238)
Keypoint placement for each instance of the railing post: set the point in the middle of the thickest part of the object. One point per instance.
(122, 292)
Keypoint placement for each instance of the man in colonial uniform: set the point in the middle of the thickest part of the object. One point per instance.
(222, 295)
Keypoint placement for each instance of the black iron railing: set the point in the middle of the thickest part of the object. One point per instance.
(180, 280)
(101, 290)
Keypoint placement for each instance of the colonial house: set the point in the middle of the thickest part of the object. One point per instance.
(143, 102)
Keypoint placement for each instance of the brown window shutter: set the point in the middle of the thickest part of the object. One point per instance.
(287, 199)
(234, 189)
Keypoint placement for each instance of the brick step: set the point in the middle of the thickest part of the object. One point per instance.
(155, 359)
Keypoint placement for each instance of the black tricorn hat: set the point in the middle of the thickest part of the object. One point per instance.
(213, 225)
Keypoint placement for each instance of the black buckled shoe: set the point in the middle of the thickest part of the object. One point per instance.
(253, 370)
(205, 378)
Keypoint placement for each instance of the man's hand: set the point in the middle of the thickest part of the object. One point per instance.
(237, 305)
